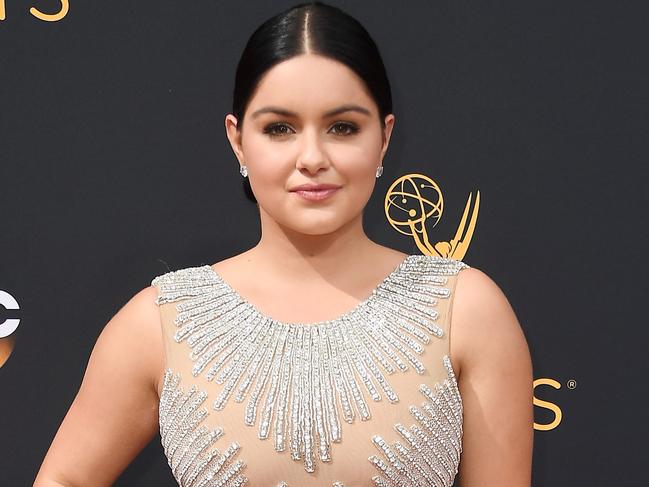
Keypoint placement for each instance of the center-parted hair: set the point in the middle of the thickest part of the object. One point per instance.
(315, 28)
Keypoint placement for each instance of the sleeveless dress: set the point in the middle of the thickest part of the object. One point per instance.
(368, 398)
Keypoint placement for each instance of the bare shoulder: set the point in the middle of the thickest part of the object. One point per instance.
(495, 382)
(485, 329)
(115, 412)
(137, 327)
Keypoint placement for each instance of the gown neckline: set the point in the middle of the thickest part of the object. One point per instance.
(348, 314)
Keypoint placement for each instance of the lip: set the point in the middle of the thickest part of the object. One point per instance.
(316, 194)
(315, 187)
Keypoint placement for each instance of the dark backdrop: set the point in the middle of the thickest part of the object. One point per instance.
(114, 168)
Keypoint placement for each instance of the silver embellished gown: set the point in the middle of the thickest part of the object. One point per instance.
(368, 398)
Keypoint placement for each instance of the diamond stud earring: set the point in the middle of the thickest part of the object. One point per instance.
(244, 171)
(379, 171)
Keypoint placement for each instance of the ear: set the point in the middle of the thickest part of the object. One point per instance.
(234, 136)
(389, 125)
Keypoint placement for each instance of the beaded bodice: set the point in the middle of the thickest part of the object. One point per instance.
(367, 398)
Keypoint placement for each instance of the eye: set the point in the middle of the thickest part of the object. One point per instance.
(277, 129)
(344, 128)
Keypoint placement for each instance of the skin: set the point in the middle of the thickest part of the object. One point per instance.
(319, 253)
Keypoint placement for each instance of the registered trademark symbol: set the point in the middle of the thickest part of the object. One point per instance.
(572, 384)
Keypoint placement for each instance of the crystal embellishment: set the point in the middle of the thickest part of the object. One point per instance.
(302, 379)
(283, 483)
(431, 454)
(184, 441)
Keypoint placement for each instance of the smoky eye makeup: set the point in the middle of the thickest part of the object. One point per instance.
(277, 129)
(340, 128)
(345, 128)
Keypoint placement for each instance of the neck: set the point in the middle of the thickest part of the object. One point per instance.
(297, 253)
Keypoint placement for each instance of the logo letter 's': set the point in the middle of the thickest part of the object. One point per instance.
(548, 405)
(65, 7)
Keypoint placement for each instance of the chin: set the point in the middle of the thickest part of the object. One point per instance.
(312, 225)
(315, 230)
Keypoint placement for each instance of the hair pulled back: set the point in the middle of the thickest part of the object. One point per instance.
(317, 28)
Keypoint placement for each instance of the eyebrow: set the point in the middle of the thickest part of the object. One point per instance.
(330, 113)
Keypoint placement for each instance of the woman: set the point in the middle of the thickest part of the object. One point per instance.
(337, 380)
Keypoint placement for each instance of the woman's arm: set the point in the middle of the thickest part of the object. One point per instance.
(496, 384)
(115, 413)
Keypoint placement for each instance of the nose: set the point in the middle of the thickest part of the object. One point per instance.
(312, 155)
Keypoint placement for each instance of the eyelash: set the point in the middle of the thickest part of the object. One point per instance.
(350, 127)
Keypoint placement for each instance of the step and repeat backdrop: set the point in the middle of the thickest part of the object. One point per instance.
(521, 130)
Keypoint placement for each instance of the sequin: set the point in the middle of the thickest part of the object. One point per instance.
(431, 454)
(184, 441)
(302, 379)
(335, 484)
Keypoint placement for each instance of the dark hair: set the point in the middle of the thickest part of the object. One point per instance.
(331, 33)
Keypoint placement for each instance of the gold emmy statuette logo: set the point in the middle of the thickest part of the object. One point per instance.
(547, 405)
(7, 327)
(413, 200)
(65, 7)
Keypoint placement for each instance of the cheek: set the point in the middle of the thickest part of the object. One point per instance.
(270, 161)
(357, 163)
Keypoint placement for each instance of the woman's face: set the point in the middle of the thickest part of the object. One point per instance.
(311, 121)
